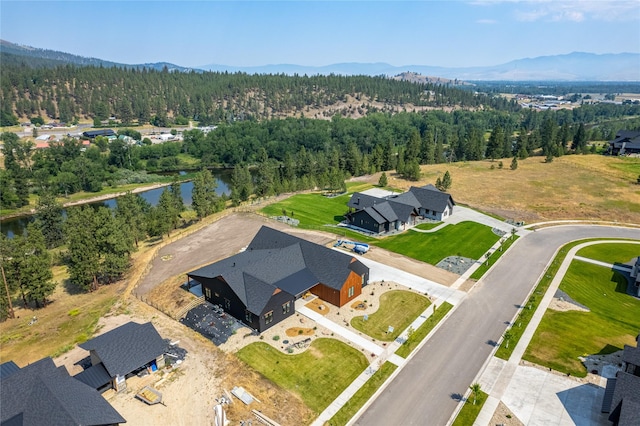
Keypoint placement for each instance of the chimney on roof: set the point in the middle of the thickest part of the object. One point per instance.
(234, 264)
(358, 202)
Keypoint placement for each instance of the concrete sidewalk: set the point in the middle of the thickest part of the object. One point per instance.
(356, 339)
(502, 379)
(621, 268)
(388, 354)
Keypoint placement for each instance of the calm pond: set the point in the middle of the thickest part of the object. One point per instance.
(17, 225)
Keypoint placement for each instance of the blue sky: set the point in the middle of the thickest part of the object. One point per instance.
(244, 33)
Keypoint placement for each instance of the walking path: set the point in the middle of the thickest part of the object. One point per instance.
(497, 378)
(382, 355)
(621, 268)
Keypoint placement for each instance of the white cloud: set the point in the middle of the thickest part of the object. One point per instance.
(570, 10)
(486, 21)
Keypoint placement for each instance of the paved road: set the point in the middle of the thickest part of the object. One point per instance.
(427, 389)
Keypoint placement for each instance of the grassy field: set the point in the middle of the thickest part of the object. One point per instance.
(432, 248)
(470, 411)
(611, 252)
(70, 318)
(317, 375)
(613, 320)
(571, 187)
(418, 335)
(398, 308)
(362, 395)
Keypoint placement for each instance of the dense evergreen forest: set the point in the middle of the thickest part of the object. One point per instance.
(268, 155)
(143, 96)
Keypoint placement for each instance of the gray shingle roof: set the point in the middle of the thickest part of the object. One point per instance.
(361, 201)
(126, 348)
(7, 369)
(41, 394)
(274, 261)
(95, 376)
(430, 197)
(631, 355)
(627, 391)
(386, 211)
(375, 215)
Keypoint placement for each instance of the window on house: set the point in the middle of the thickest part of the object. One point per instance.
(351, 291)
(248, 316)
(268, 317)
(362, 279)
(207, 293)
(227, 303)
(286, 308)
(217, 294)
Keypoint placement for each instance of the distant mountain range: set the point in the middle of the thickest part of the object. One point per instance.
(36, 57)
(576, 66)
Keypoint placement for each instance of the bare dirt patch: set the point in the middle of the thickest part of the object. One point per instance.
(319, 306)
(504, 416)
(299, 331)
(563, 306)
(189, 391)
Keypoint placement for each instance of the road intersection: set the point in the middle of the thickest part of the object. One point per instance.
(429, 386)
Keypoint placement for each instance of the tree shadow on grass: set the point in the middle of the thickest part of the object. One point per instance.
(608, 349)
(71, 288)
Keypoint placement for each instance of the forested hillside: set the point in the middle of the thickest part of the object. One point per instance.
(262, 133)
(143, 96)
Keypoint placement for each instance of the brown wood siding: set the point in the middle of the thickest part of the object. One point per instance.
(326, 293)
(354, 280)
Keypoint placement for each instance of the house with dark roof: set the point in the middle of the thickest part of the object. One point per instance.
(43, 394)
(622, 395)
(260, 285)
(395, 212)
(92, 134)
(120, 353)
(626, 142)
(635, 276)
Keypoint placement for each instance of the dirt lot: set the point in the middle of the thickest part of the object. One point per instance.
(216, 241)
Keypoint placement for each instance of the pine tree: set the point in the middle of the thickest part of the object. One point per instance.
(50, 220)
(383, 181)
(514, 163)
(446, 181)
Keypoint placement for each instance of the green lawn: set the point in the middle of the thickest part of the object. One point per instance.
(523, 318)
(611, 252)
(398, 308)
(362, 395)
(467, 239)
(315, 211)
(317, 375)
(470, 411)
(478, 273)
(418, 335)
(613, 321)
(428, 225)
